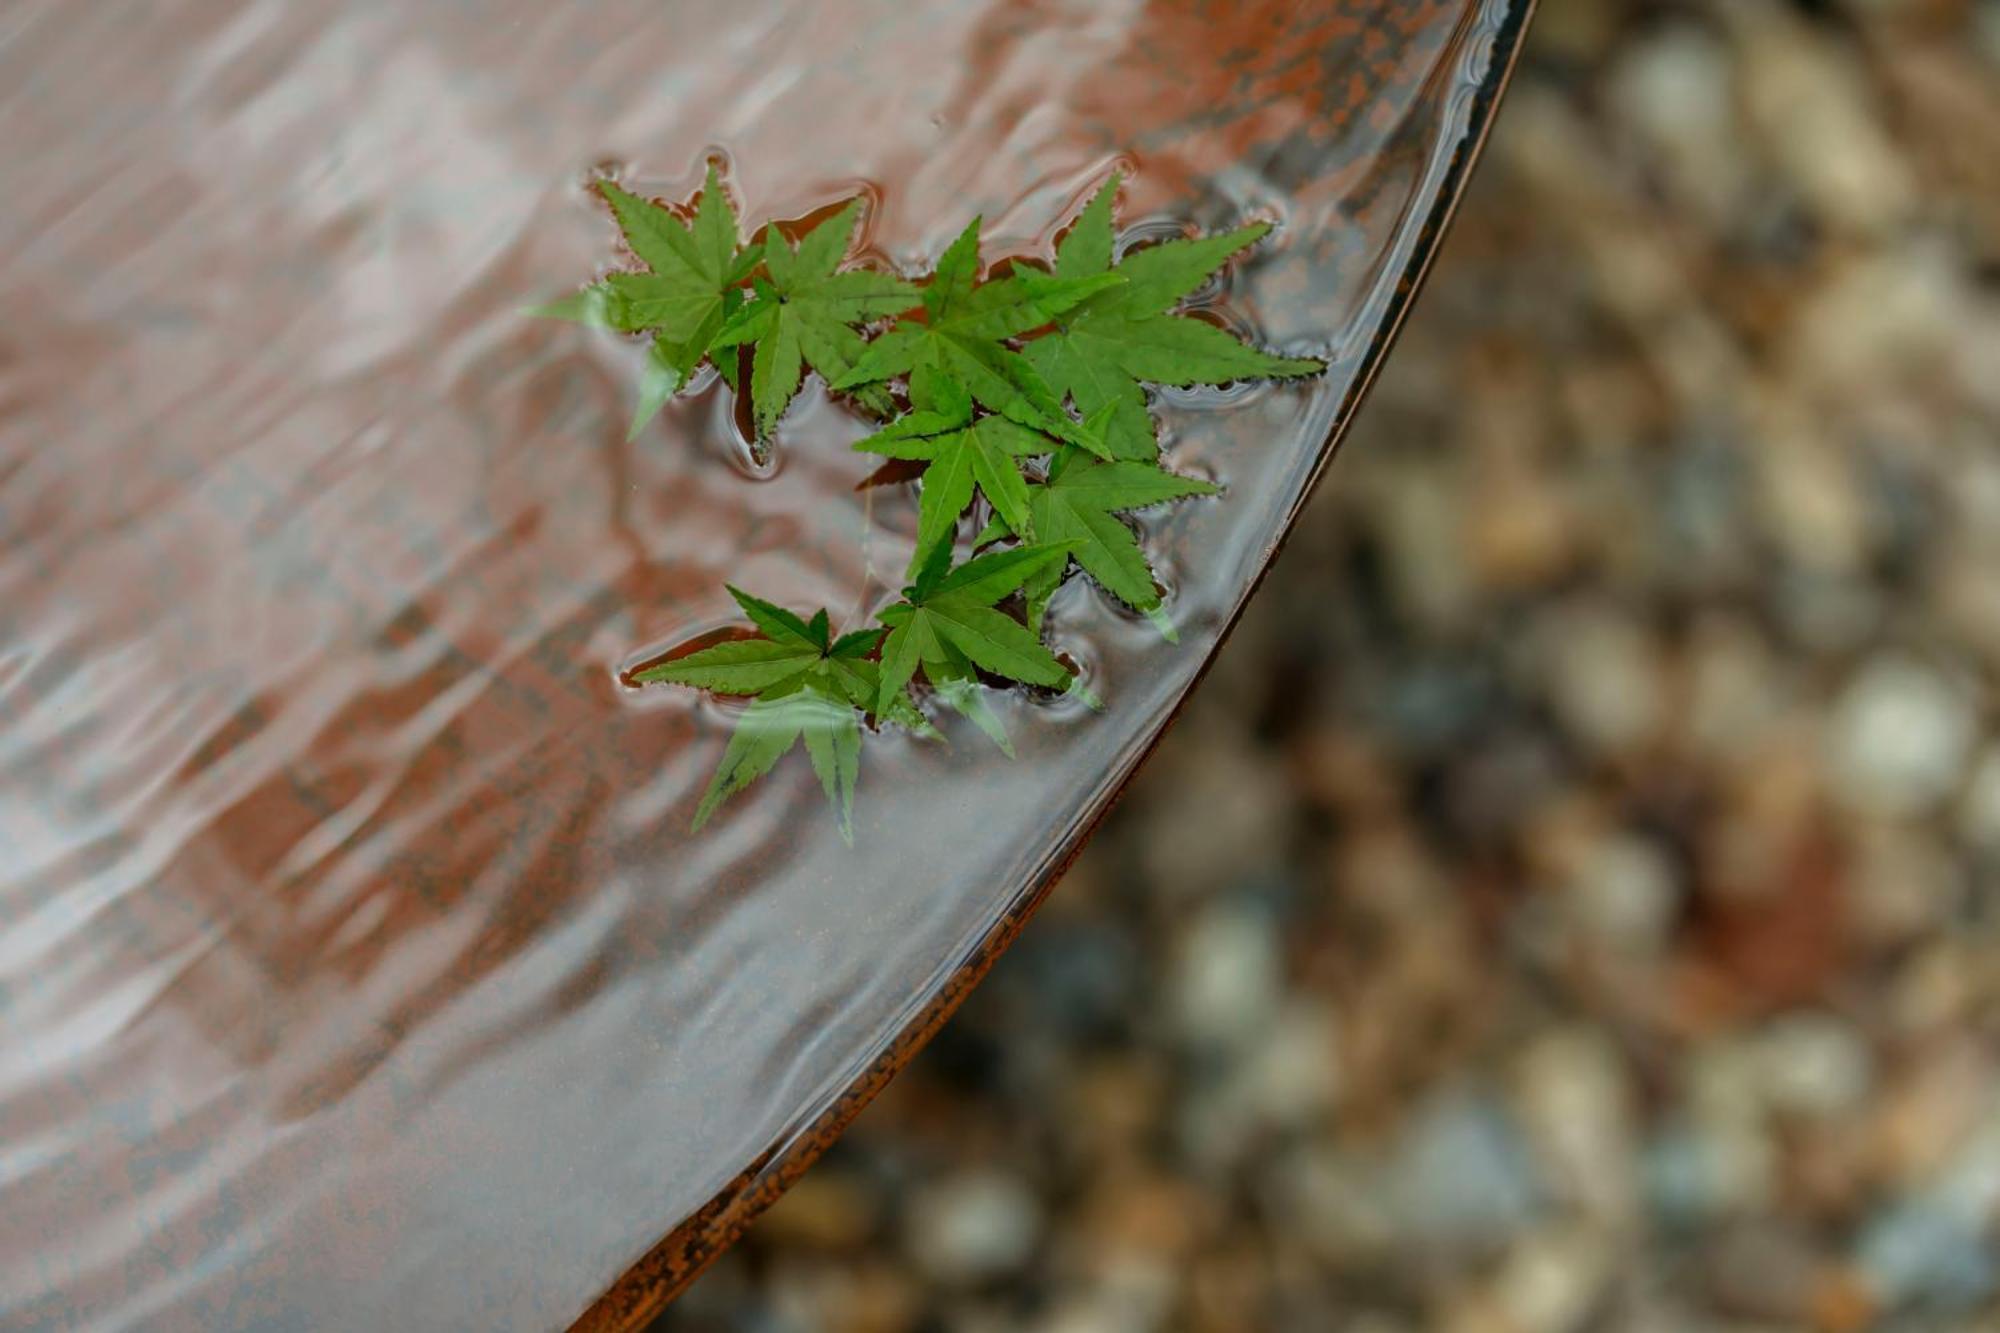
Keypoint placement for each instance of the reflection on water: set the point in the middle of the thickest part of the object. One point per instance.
(355, 967)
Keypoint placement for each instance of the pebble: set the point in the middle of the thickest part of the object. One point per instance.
(1880, 318)
(1937, 1101)
(1626, 894)
(1224, 813)
(1286, 1079)
(1814, 1065)
(1900, 736)
(1552, 1281)
(1225, 983)
(1736, 693)
(1979, 811)
(1575, 29)
(1132, 1296)
(1605, 674)
(1812, 504)
(1939, 985)
(1461, 1177)
(1333, 1203)
(1696, 1176)
(1815, 114)
(1903, 885)
(1833, 614)
(1717, 1158)
(1292, 1078)
(973, 1227)
(1677, 91)
(1423, 528)
(1919, 1254)
(1762, 1270)
(1577, 1103)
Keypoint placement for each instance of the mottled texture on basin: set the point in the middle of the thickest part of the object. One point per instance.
(356, 969)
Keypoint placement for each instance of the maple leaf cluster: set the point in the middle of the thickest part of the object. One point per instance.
(1023, 396)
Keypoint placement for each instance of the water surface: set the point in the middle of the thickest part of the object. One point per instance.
(357, 970)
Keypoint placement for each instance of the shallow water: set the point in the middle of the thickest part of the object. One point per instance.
(356, 967)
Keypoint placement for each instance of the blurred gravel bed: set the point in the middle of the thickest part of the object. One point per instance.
(1573, 901)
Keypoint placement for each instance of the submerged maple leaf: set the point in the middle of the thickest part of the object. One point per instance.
(804, 685)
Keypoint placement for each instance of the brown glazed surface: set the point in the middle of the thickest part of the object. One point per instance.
(356, 969)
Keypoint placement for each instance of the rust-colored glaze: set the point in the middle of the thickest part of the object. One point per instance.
(356, 970)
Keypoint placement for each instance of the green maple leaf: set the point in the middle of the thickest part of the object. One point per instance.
(993, 370)
(964, 335)
(805, 686)
(693, 285)
(965, 456)
(1076, 510)
(808, 314)
(947, 624)
(1102, 350)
